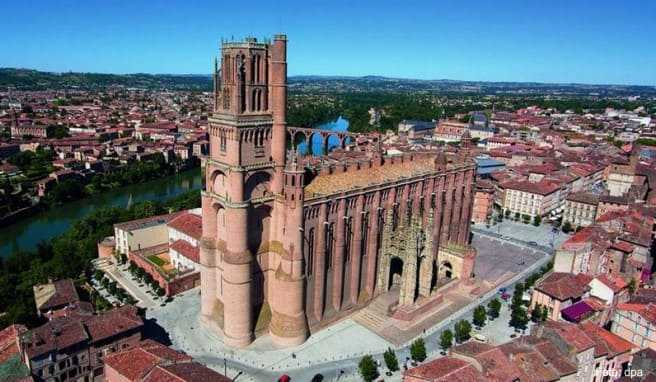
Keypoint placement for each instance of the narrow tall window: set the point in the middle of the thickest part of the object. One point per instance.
(330, 238)
(349, 239)
(310, 252)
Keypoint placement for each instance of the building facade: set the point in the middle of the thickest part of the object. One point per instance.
(289, 244)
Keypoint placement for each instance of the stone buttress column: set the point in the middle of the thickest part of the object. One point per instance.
(448, 206)
(457, 207)
(338, 258)
(356, 251)
(426, 270)
(208, 262)
(320, 263)
(237, 269)
(288, 325)
(465, 218)
(383, 273)
(438, 189)
(404, 212)
(372, 249)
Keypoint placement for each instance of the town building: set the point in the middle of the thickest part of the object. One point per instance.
(554, 351)
(142, 233)
(531, 198)
(412, 129)
(291, 244)
(150, 361)
(557, 291)
(636, 323)
(56, 298)
(72, 347)
(580, 209)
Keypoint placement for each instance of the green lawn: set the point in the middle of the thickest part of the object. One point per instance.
(156, 260)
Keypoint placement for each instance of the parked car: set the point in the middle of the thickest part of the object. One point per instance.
(479, 338)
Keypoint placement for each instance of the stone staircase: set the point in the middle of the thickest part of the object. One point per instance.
(376, 316)
(103, 263)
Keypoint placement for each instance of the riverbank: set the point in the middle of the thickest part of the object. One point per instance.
(26, 233)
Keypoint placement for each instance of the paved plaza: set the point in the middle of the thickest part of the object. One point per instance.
(543, 235)
(340, 346)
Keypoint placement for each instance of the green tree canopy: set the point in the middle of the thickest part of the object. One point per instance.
(368, 369)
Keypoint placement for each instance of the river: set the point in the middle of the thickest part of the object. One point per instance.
(26, 233)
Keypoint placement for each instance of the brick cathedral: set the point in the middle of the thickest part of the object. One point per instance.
(293, 243)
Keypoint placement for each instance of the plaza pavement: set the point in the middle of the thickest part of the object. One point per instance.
(340, 347)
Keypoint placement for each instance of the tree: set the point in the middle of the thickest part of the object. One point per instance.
(98, 274)
(517, 215)
(507, 213)
(493, 308)
(537, 220)
(368, 369)
(418, 350)
(536, 313)
(545, 313)
(518, 296)
(463, 331)
(633, 285)
(518, 318)
(446, 339)
(479, 316)
(566, 227)
(390, 360)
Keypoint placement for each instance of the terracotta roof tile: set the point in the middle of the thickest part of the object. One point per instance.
(189, 224)
(563, 286)
(445, 369)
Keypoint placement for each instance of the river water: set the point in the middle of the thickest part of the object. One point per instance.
(27, 233)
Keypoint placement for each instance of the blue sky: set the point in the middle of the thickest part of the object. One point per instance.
(593, 41)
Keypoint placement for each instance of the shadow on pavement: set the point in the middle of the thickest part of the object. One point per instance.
(155, 332)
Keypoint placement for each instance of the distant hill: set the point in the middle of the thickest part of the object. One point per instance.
(35, 80)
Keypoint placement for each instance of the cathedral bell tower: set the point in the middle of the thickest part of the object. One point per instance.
(244, 200)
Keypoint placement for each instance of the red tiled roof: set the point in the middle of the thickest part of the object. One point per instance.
(647, 311)
(113, 322)
(9, 341)
(445, 369)
(187, 250)
(572, 334)
(184, 372)
(564, 286)
(614, 282)
(189, 224)
(606, 343)
(63, 293)
(543, 187)
(623, 246)
(136, 363)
